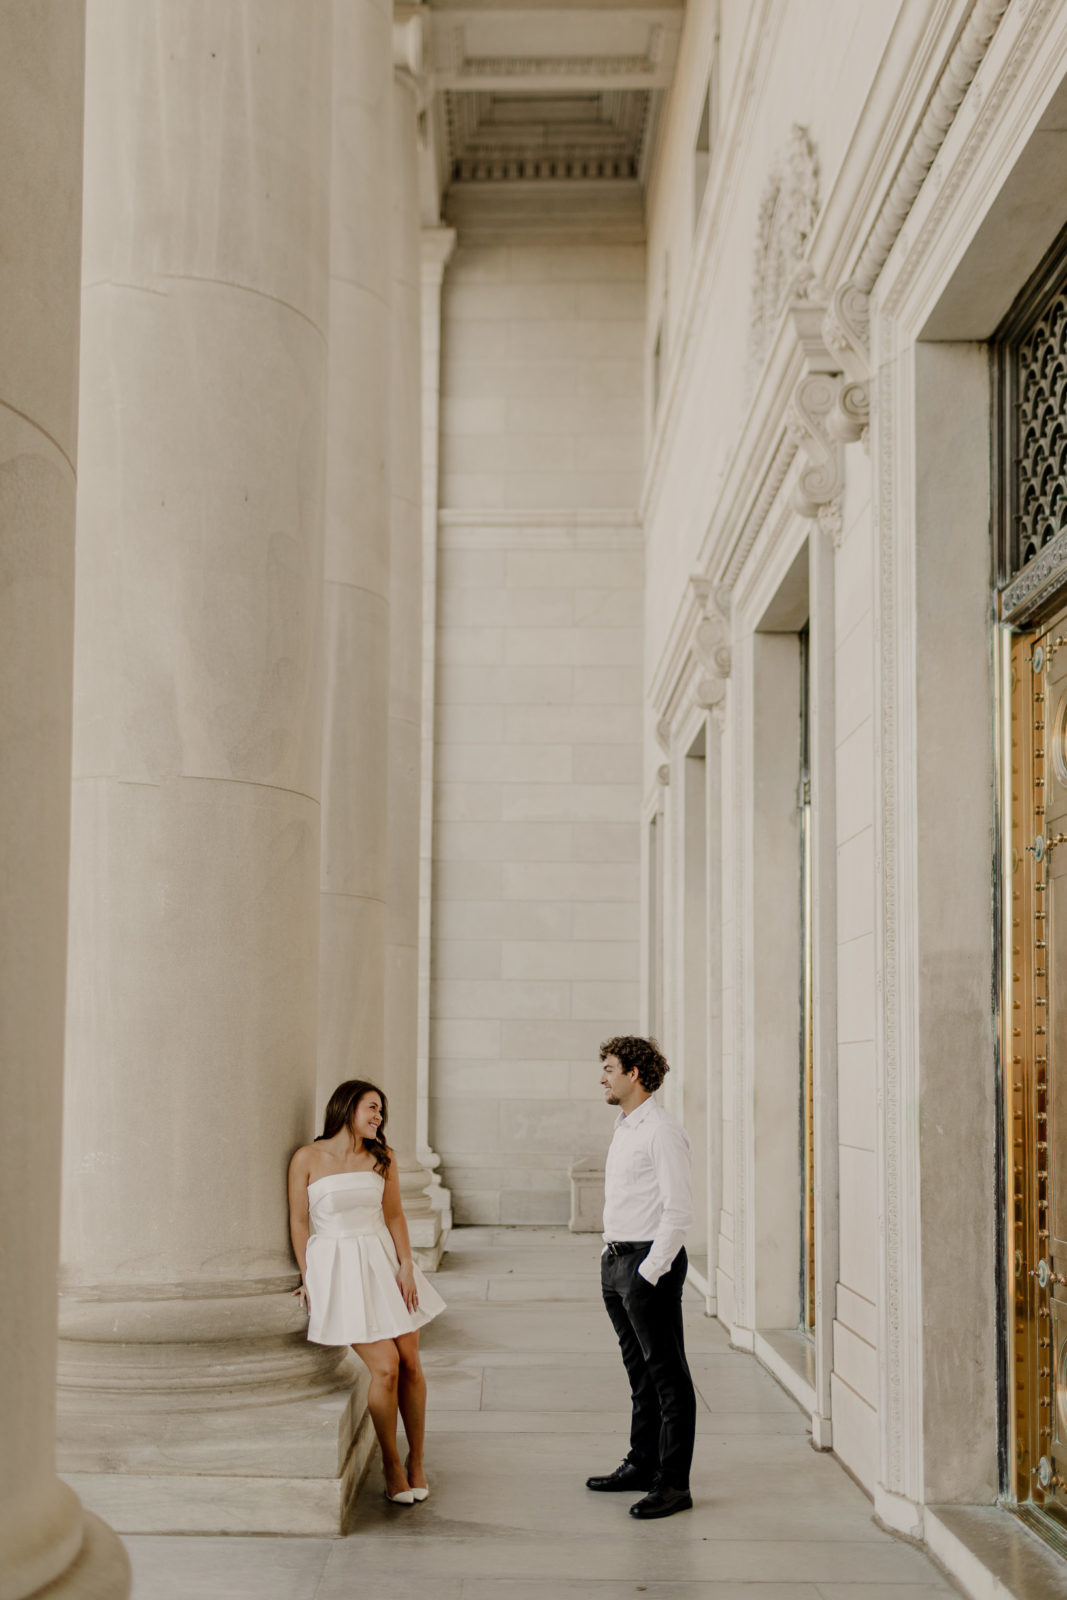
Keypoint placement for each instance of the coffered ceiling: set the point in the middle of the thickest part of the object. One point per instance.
(527, 90)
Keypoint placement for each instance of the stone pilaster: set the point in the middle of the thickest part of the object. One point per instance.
(46, 1539)
(358, 523)
(438, 244)
(193, 984)
(405, 644)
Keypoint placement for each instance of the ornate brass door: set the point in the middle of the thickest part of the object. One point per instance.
(1036, 1119)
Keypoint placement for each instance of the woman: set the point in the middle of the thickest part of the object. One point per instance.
(359, 1283)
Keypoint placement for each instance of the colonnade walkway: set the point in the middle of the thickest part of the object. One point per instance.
(527, 1398)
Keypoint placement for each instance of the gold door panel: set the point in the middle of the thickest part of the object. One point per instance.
(1036, 1085)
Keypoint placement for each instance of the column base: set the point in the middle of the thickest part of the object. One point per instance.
(291, 1468)
(425, 1221)
(587, 1195)
(439, 1197)
(428, 1239)
(101, 1570)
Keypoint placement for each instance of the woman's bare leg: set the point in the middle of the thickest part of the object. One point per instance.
(383, 1361)
(412, 1401)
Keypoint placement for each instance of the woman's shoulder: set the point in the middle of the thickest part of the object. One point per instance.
(303, 1158)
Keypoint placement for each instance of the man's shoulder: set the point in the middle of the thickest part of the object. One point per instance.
(665, 1125)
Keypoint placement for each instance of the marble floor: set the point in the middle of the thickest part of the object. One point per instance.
(527, 1397)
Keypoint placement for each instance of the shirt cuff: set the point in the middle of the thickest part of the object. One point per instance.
(647, 1275)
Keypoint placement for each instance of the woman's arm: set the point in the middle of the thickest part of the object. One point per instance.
(299, 1221)
(393, 1211)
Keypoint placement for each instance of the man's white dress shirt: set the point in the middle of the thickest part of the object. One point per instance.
(647, 1191)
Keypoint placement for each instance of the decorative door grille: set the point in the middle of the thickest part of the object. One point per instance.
(1031, 372)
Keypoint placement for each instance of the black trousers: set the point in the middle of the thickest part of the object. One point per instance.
(648, 1320)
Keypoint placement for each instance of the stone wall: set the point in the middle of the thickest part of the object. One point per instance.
(538, 721)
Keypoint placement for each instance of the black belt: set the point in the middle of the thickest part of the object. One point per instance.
(624, 1247)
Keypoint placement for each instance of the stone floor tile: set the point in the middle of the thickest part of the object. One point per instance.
(527, 1398)
(555, 1388)
(614, 1546)
(539, 1290)
(613, 1589)
(346, 1581)
(462, 1288)
(237, 1569)
(475, 1331)
(455, 1389)
(605, 1424)
(888, 1591)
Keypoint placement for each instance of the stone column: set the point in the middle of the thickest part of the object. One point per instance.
(405, 646)
(356, 622)
(193, 985)
(438, 244)
(46, 1540)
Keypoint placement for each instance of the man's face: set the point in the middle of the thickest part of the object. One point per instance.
(614, 1080)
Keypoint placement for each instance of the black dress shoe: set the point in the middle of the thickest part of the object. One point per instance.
(625, 1477)
(663, 1502)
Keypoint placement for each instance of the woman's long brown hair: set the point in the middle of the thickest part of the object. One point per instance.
(341, 1113)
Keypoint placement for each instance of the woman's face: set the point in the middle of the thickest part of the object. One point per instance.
(368, 1116)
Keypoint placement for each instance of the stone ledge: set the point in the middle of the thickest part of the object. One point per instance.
(992, 1555)
(789, 1358)
(292, 1468)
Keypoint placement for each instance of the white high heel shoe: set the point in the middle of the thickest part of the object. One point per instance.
(420, 1494)
(406, 1497)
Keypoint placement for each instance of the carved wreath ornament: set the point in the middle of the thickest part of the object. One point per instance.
(786, 218)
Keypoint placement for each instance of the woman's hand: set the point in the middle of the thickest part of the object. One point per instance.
(405, 1282)
(301, 1294)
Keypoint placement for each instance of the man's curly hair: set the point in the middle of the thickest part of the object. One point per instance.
(644, 1054)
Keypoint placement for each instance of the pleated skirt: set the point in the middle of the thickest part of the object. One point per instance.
(353, 1292)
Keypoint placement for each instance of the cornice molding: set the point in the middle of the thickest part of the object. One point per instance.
(946, 96)
(990, 102)
(929, 136)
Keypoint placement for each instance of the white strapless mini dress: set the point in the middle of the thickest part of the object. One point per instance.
(352, 1266)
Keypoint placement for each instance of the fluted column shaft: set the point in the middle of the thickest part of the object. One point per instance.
(405, 638)
(195, 868)
(45, 1538)
(356, 617)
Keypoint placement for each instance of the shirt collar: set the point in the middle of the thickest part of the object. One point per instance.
(636, 1116)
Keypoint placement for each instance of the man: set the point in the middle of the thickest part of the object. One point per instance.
(647, 1210)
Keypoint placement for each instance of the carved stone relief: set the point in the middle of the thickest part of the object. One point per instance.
(780, 271)
(711, 648)
(830, 409)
